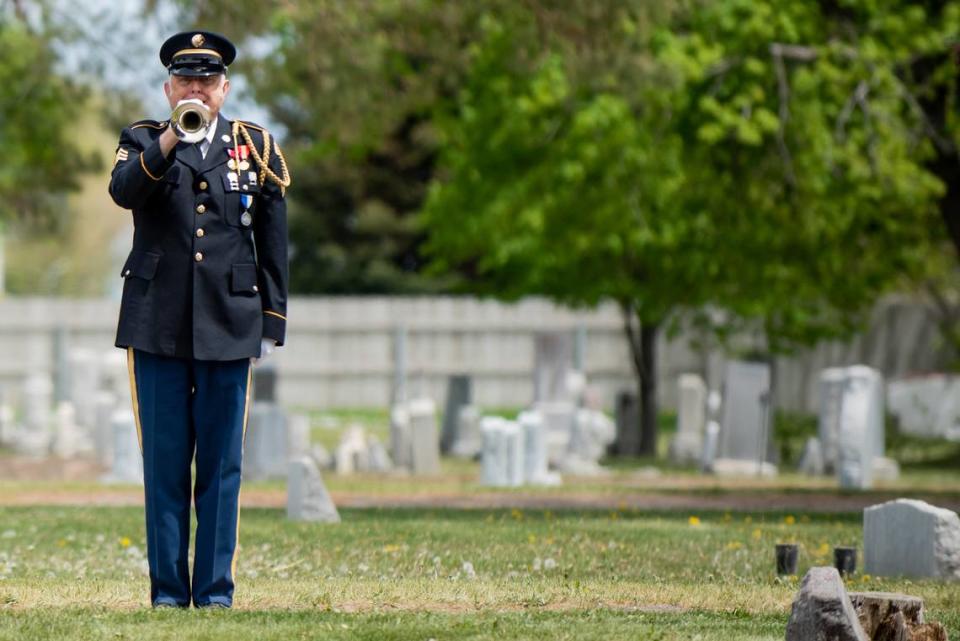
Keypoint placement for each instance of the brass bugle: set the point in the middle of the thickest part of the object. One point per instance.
(190, 120)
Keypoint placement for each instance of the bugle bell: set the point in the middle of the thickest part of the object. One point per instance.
(190, 120)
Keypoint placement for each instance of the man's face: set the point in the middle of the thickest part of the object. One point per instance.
(211, 90)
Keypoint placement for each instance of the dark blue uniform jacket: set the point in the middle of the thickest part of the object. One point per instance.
(207, 275)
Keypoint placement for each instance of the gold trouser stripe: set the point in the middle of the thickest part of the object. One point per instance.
(246, 414)
(131, 369)
(145, 170)
(273, 313)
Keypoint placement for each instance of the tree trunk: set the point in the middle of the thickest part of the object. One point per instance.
(642, 338)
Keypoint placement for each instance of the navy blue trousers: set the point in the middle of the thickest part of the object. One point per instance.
(188, 409)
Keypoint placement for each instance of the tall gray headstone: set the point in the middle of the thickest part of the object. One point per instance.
(833, 380)
(744, 427)
(469, 442)
(84, 381)
(400, 447)
(266, 443)
(687, 445)
(459, 394)
(298, 436)
(493, 457)
(265, 382)
(513, 441)
(861, 437)
(424, 440)
(307, 496)
(911, 538)
(127, 464)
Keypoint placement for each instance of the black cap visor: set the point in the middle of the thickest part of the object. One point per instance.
(197, 65)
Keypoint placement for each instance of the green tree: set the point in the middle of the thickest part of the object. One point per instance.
(767, 167)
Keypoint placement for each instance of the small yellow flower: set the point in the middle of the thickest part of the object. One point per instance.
(757, 534)
(734, 545)
(61, 542)
(865, 578)
(789, 519)
(823, 550)
(694, 521)
(531, 538)
(517, 514)
(391, 548)
(124, 542)
(549, 540)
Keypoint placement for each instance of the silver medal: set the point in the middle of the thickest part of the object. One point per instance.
(246, 219)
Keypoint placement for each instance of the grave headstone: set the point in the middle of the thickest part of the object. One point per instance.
(811, 460)
(687, 445)
(127, 466)
(69, 439)
(744, 428)
(469, 442)
(927, 406)
(266, 443)
(535, 469)
(351, 452)
(298, 434)
(459, 395)
(911, 538)
(424, 441)
(832, 384)
(513, 444)
(493, 458)
(592, 433)
(265, 382)
(307, 496)
(104, 403)
(378, 460)
(84, 381)
(711, 438)
(861, 427)
(822, 610)
(559, 421)
(400, 435)
(34, 436)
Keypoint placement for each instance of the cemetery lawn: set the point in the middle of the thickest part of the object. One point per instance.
(78, 573)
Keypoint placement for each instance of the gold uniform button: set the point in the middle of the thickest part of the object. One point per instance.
(126, 273)
(200, 233)
(203, 184)
(201, 209)
(198, 257)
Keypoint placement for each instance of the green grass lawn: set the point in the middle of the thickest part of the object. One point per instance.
(80, 573)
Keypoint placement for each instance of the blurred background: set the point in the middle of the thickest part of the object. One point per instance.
(668, 185)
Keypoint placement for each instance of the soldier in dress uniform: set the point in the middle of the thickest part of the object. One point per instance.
(204, 296)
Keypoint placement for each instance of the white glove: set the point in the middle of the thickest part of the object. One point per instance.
(267, 345)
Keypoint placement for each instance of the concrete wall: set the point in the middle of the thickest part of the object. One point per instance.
(340, 351)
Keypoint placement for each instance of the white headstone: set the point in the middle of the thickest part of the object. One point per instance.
(832, 384)
(298, 436)
(493, 458)
(424, 438)
(553, 359)
(378, 460)
(744, 428)
(811, 460)
(861, 427)
(911, 538)
(400, 435)
(84, 379)
(351, 452)
(687, 445)
(469, 442)
(513, 445)
(307, 496)
(822, 611)
(558, 420)
(710, 440)
(105, 403)
(927, 405)
(127, 459)
(69, 439)
(534, 448)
